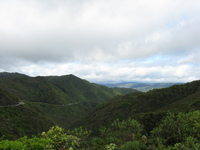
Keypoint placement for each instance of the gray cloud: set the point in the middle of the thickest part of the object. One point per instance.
(60, 37)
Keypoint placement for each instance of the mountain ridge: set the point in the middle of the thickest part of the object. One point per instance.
(48, 92)
(155, 103)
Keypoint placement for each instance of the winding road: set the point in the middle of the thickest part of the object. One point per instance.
(61, 105)
(20, 103)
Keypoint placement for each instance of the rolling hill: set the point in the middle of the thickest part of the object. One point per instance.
(64, 99)
(19, 119)
(148, 108)
(161, 118)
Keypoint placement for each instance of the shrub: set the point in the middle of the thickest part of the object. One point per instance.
(177, 128)
(133, 145)
(59, 139)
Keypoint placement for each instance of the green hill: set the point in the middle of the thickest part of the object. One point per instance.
(65, 99)
(165, 118)
(147, 107)
(34, 90)
(82, 91)
(11, 75)
(20, 119)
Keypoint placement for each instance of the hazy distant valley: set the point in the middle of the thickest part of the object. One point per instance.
(140, 86)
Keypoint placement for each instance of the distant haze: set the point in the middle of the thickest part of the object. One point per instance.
(101, 40)
(143, 87)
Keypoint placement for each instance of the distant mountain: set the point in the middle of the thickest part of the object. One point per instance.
(143, 87)
(83, 91)
(147, 107)
(20, 119)
(65, 99)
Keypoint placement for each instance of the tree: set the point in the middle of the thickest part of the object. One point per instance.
(177, 128)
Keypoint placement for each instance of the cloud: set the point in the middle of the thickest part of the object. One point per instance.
(146, 71)
(81, 36)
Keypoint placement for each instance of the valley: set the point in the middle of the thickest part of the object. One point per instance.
(63, 99)
(95, 116)
(140, 86)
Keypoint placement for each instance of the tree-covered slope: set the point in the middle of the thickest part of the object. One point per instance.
(174, 132)
(155, 103)
(34, 90)
(82, 91)
(7, 99)
(11, 75)
(20, 119)
(65, 99)
(57, 89)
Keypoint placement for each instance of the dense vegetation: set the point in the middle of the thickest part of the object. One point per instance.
(151, 106)
(19, 119)
(11, 75)
(58, 89)
(174, 132)
(7, 99)
(63, 99)
(167, 118)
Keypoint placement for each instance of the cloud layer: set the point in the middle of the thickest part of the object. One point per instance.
(102, 40)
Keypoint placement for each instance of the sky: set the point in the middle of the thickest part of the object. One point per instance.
(102, 40)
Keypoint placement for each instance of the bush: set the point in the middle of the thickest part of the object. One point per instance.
(133, 145)
(24, 144)
(177, 128)
(59, 139)
(11, 145)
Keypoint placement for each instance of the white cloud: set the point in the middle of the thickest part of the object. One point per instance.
(191, 58)
(100, 39)
(116, 72)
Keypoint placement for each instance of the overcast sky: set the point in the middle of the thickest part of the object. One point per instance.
(102, 40)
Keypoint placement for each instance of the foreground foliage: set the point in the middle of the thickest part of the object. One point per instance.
(175, 132)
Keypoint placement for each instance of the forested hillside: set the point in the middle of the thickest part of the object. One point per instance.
(174, 132)
(167, 119)
(148, 106)
(64, 99)
(7, 99)
(20, 118)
